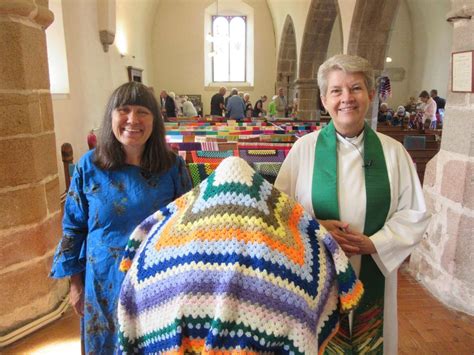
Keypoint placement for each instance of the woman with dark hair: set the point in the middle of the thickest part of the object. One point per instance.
(130, 174)
(258, 110)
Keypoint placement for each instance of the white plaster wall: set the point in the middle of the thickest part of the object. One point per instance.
(346, 11)
(400, 49)
(94, 74)
(432, 42)
(56, 45)
(336, 44)
(178, 51)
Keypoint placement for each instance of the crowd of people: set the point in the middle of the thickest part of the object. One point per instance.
(360, 185)
(427, 112)
(173, 106)
(237, 105)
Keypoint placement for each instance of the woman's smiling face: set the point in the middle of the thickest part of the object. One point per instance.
(132, 125)
(347, 100)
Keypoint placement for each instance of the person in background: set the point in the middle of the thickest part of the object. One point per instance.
(400, 118)
(176, 108)
(235, 106)
(272, 108)
(416, 118)
(440, 105)
(281, 104)
(363, 188)
(294, 108)
(248, 105)
(258, 110)
(188, 108)
(217, 102)
(384, 114)
(130, 174)
(168, 106)
(429, 110)
(410, 107)
(226, 100)
(440, 102)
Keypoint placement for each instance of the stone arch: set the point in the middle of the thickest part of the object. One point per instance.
(287, 59)
(317, 33)
(371, 25)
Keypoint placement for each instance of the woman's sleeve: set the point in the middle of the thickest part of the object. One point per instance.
(69, 258)
(183, 180)
(404, 229)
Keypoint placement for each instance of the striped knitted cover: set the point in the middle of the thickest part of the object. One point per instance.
(262, 155)
(200, 171)
(233, 267)
(205, 156)
(268, 170)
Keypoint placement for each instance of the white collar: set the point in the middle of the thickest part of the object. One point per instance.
(354, 141)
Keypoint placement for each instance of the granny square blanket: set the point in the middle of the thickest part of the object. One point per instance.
(233, 267)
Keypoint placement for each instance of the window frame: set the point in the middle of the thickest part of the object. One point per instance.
(229, 18)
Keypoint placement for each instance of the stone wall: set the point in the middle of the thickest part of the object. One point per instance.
(287, 60)
(29, 186)
(314, 47)
(443, 262)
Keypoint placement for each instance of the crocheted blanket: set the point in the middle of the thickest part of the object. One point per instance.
(233, 267)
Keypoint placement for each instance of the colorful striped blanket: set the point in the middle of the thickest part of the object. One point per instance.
(233, 267)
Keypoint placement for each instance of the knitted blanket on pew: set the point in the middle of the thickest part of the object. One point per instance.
(233, 267)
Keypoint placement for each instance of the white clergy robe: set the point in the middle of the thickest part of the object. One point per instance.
(407, 218)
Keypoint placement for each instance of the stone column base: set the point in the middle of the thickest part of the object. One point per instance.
(308, 92)
(443, 261)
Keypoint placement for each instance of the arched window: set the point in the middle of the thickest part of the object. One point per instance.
(229, 34)
(229, 44)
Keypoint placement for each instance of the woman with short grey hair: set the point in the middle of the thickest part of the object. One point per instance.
(346, 64)
(363, 188)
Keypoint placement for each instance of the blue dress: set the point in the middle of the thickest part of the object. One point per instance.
(101, 211)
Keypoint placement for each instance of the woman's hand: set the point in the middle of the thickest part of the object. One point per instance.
(76, 294)
(338, 230)
(365, 245)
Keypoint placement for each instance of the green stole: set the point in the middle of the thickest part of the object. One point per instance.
(367, 325)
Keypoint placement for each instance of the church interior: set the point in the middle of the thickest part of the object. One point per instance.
(61, 60)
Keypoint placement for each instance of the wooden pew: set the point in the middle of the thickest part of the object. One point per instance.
(67, 157)
(421, 157)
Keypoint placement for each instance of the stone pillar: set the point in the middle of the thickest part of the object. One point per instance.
(444, 260)
(29, 186)
(308, 93)
(287, 62)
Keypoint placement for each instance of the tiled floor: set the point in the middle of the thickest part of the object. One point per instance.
(425, 327)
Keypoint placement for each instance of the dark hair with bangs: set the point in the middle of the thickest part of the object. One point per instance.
(109, 155)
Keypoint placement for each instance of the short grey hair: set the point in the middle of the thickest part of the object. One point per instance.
(347, 64)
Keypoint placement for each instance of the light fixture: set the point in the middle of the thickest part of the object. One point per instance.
(388, 59)
(121, 41)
